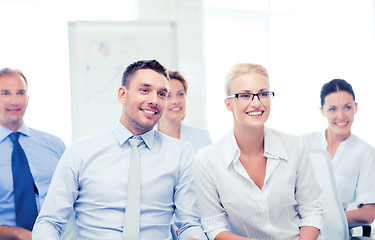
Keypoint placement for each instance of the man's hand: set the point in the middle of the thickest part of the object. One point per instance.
(14, 233)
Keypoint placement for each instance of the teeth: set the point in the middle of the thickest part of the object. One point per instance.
(341, 124)
(254, 113)
(149, 112)
(175, 109)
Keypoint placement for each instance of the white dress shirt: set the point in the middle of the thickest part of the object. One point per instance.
(91, 179)
(353, 165)
(229, 200)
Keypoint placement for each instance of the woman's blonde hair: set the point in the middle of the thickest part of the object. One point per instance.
(240, 69)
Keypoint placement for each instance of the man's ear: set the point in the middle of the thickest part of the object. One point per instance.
(121, 94)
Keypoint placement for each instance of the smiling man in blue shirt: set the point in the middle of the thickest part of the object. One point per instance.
(42, 151)
(92, 176)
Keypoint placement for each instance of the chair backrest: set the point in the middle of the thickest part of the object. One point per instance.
(335, 223)
(173, 232)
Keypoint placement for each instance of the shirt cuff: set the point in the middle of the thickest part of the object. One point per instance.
(316, 221)
(365, 198)
(195, 232)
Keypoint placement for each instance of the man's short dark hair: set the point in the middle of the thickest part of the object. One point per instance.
(143, 64)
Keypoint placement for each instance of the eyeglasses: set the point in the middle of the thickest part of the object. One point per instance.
(247, 96)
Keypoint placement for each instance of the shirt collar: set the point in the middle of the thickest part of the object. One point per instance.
(230, 148)
(323, 138)
(156, 127)
(123, 134)
(273, 147)
(4, 132)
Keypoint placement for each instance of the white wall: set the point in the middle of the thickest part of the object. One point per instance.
(34, 39)
(303, 43)
(188, 16)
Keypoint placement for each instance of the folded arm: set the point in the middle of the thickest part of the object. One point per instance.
(307, 195)
(366, 214)
(14, 233)
(226, 235)
(187, 217)
(59, 201)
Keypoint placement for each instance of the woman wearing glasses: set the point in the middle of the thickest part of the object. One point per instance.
(353, 160)
(256, 182)
(174, 113)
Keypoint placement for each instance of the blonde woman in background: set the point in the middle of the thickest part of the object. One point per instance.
(175, 111)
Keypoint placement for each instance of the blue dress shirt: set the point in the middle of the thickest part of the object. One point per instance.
(197, 137)
(91, 179)
(43, 152)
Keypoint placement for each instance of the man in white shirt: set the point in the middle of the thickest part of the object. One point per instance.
(92, 176)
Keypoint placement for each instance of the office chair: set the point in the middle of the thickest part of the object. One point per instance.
(366, 230)
(173, 232)
(335, 223)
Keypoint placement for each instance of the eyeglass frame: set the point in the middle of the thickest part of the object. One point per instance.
(269, 93)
